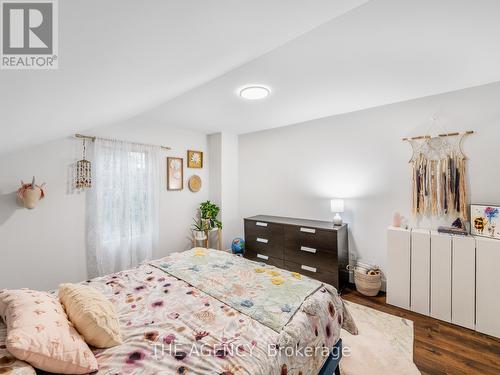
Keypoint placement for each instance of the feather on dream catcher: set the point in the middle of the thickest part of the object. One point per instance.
(439, 175)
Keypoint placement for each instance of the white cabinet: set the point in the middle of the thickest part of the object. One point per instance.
(451, 278)
(420, 271)
(463, 281)
(398, 267)
(440, 276)
(488, 286)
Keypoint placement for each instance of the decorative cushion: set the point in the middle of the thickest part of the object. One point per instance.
(39, 333)
(92, 314)
(8, 363)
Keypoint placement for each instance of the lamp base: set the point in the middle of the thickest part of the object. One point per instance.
(337, 220)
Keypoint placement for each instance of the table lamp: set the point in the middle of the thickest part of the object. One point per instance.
(337, 206)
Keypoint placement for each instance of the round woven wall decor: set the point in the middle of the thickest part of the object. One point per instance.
(194, 183)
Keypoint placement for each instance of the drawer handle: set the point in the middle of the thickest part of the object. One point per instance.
(307, 268)
(263, 240)
(308, 230)
(308, 249)
(261, 224)
(265, 257)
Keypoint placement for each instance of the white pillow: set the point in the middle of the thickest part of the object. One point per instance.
(91, 314)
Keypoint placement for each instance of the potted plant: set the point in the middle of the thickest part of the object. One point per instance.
(199, 230)
(208, 213)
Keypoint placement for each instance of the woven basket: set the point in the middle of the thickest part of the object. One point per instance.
(368, 285)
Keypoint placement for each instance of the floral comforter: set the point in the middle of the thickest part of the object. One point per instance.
(172, 327)
(266, 294)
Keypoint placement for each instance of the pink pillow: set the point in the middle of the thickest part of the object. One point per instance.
(9, 364)
(39, 333)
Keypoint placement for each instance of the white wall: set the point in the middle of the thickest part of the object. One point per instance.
(223, 149)
(291, 171)
(43, 247)
(215, 159)
(295, 170)
(229, 189)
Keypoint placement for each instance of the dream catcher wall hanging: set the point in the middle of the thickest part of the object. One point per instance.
(83, 173)
(439, 175)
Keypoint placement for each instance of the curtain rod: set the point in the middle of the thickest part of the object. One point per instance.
(440, 135)
(93, 138)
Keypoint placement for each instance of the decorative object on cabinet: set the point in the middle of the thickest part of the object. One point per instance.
(451, 278)
(317, 249)
(485, 221)
(83, 173)
(30, 194)
(396, 220)
(195, 159)
(457, 228)
(194, 183)
(439, 180)
(368, 280)
(337, 207)
(175, 173)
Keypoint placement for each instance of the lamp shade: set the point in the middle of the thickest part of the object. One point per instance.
(337, 205)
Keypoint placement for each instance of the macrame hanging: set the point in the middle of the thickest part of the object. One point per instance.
(83, 176)
(439, 180)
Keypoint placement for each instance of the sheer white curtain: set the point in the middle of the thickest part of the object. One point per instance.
(122, 206)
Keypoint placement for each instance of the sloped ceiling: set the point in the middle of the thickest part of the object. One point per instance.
(384, 52)
(119, 58)
(180, 63)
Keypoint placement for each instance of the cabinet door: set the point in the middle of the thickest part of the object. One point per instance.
(488, 286)
(441, 276)
(420, 271)
(398, 267)
(463, 282)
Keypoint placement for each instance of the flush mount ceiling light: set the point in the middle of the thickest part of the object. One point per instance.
(254, 92)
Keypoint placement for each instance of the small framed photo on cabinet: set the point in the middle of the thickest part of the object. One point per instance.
(485, 221)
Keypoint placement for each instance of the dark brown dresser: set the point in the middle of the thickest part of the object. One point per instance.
(317, 249)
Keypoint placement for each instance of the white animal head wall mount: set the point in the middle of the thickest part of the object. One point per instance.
(30, 194)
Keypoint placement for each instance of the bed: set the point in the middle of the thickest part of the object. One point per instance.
(202, 320)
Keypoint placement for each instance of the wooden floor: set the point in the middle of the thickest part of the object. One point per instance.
(441, 348)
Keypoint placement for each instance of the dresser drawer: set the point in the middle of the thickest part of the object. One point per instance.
(264, 238)
(267, 246)
(263, 229)
(310, 237)
(319, 258)
(262, 258)
(314, 273)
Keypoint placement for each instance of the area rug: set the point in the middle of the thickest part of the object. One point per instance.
(384, 344)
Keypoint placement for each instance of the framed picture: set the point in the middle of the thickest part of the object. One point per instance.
(485, 221)
(175, 173)
(195, 159)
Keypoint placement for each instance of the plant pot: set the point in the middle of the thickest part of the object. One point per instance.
(206, 223)
(199, 235)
